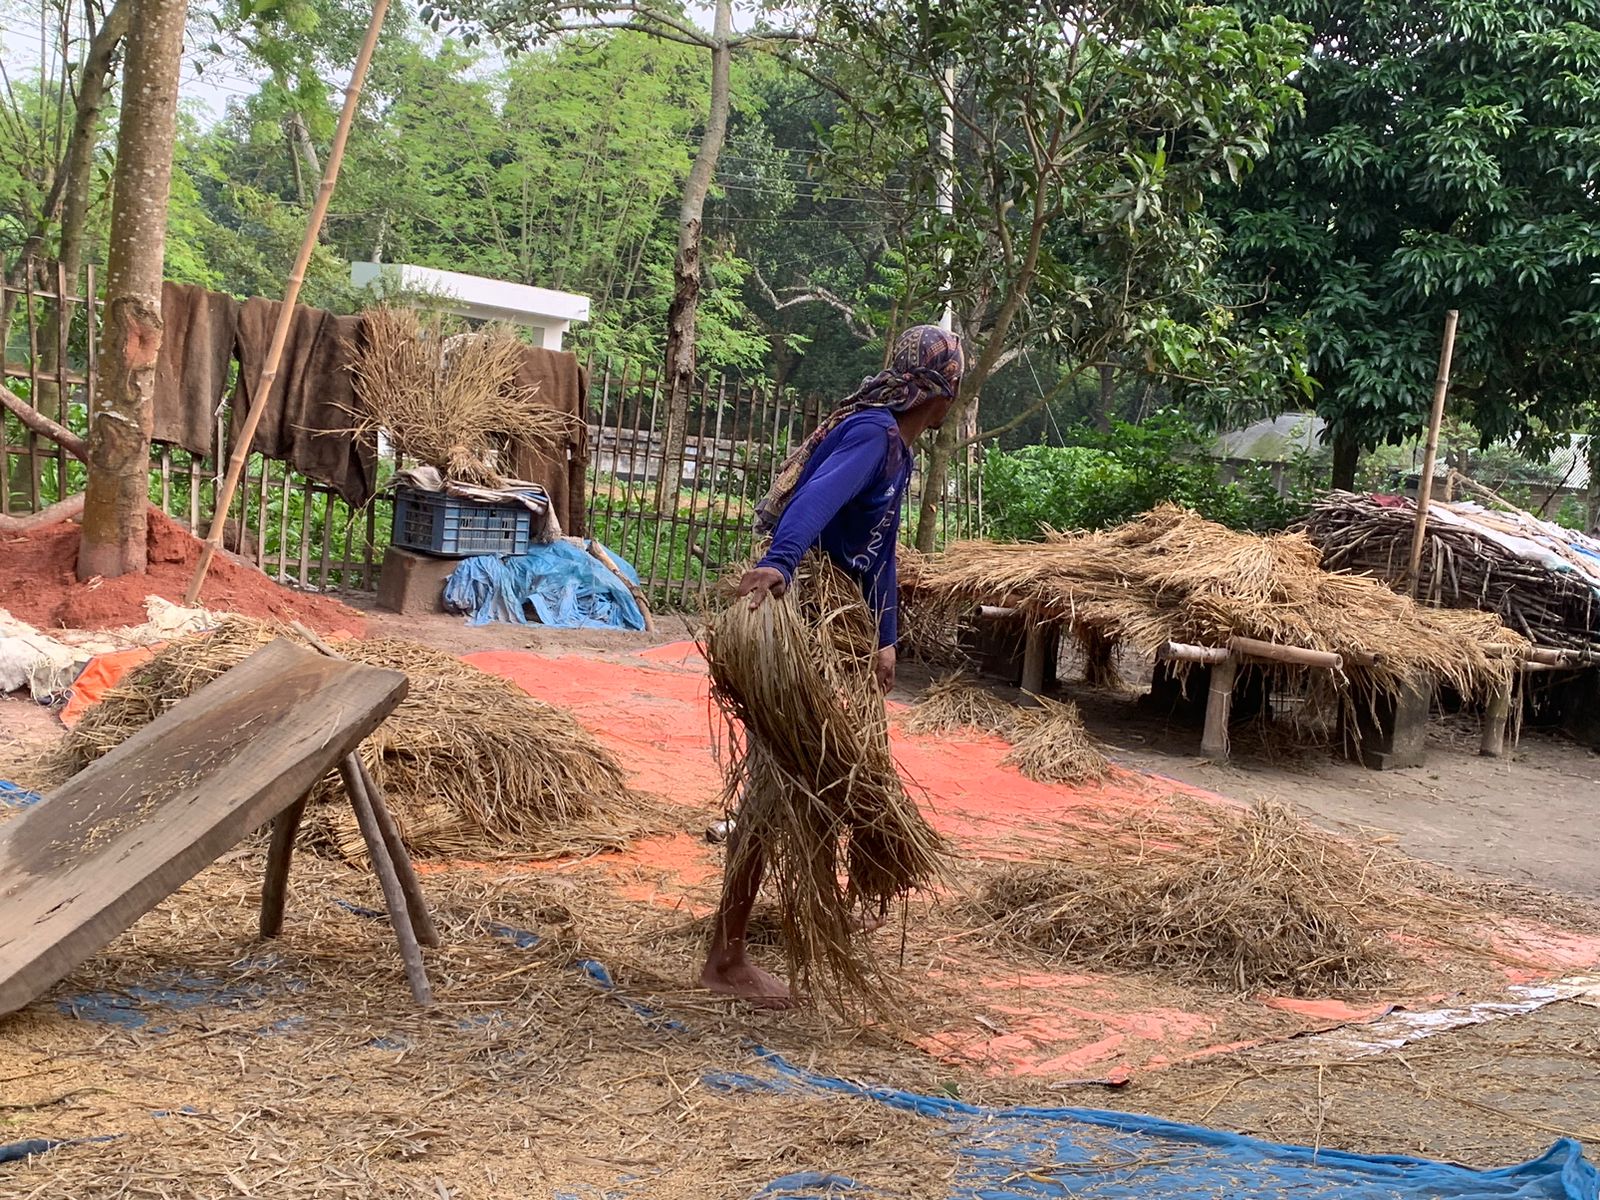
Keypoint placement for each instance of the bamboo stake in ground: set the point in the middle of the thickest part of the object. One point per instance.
(1219, 708)
(1441, 385)
(269, 369)
(610, 564)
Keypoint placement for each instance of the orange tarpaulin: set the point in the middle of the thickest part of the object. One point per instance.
(102, 674)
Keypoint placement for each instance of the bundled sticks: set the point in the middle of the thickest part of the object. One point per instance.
(1459, 569)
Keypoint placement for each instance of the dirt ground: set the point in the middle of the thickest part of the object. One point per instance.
(526, 1071)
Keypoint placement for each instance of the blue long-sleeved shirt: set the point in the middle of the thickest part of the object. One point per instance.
(848, 503)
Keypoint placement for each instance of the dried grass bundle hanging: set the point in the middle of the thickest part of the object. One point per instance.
(1052, 746)
(449, 403)
(470, 764)
(957, 702)
(812, 774)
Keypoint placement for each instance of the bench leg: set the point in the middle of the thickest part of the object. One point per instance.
(416, 905)
(394, 899)
(275, 887)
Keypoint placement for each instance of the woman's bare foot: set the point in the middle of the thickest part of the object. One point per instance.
(735, 975)
(868, 921)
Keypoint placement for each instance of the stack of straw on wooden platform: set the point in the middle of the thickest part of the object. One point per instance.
(1247, 900)
(1460, 569)
(813, 778)
(930, 628)
(471, 765)
(1173, 576)
(450, 409)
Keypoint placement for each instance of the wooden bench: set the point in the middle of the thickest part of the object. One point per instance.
(130, 829)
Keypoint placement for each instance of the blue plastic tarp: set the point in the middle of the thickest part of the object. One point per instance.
(565, 585)
(12, 796)
(1026, 1153)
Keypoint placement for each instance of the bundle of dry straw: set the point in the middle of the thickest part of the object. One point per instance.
(1052, 746)
(471, 766)
(1250, 900)
(1049, 742)
(449, 403)
(1174, 576)
(813, 777)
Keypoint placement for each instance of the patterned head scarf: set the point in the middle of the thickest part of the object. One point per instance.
(925, 366)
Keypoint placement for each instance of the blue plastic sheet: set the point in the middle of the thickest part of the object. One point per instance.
(12, 796)
(1026, 1153)
(566, 586)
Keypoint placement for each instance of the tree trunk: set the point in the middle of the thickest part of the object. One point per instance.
(1346, 458)
(78, 179)
(307, 152)
(115, 504)
(680, 357)
(1108, 397)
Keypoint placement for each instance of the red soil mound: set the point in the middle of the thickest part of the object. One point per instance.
(38, 583)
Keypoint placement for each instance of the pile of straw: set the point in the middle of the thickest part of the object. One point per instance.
(813, 777)
(1052, 746)
(1173, 576)
(1247, 900)
(471, 766)
(451, 408)
(955, 702)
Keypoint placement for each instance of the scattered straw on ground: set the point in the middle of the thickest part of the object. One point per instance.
(471, 766)
(300, 1067)
(1173, 576)
(1250, 900)
(1052, 746)
(812, 774)
(957, 702)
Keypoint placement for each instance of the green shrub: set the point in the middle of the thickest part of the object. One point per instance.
(1113, 477)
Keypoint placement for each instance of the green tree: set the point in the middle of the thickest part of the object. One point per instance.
(1085, 142)
(1447, 157)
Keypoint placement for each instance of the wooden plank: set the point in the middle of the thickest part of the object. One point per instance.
(129, 830)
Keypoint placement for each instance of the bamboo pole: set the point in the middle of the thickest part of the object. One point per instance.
(1219, 709)
(1297, 655)
(1182, 652)
(269, 369)
(1441, 385)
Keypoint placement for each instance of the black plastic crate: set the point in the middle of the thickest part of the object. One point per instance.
(437, 523)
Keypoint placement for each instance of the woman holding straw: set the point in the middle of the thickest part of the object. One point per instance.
(840, 492)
